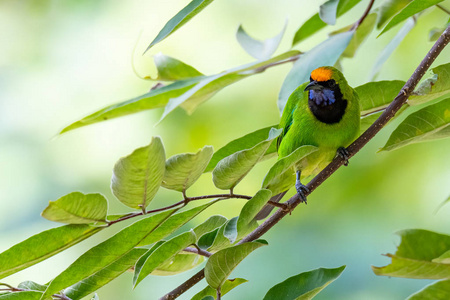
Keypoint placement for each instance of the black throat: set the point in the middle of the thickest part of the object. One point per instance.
(327, 105)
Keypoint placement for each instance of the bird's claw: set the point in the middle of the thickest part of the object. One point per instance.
(344, 154)
(302, 190)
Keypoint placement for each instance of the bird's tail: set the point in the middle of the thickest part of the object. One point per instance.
(265, 211)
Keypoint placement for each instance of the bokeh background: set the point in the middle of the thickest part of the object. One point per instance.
(61, 60)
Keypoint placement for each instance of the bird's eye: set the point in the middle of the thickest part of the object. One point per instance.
(332, 84)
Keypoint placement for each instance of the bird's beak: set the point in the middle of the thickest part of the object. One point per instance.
(313, 85)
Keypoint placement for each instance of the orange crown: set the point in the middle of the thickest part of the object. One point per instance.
(321, 74)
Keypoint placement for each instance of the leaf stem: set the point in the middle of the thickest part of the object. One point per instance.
(219, 294)
(338, 161)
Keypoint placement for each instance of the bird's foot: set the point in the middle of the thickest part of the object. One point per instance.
(344, 154)
(302, 190)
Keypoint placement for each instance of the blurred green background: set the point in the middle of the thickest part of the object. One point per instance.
(61, 60)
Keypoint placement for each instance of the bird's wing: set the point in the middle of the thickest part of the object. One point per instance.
(288, 113)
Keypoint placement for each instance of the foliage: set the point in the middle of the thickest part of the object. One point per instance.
(160, 244)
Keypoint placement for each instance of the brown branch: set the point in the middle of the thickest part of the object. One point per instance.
(198, 251)
(182, 203)
(337, 162)
(365, 14)
(185, 286)
(443, 9)
(277, 63)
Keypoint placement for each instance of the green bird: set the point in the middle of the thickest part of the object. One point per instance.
(325, 113)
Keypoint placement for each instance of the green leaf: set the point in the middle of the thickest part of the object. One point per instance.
(148, 263)
(388, 9)
(246, 142)
(209, 225)
(362, 32)
(181, 262)
(378, 94)
(104, 276)
(220, 265)
(183, 170)
(225, 236)
(117, 246)
(77, 208)
(232, 169)
(393, 44)
(206, 240)
(173, 223)
(436, 291)
(32, 286)
(188, 93)
(286, 164)
(28, 295)
(434, 34)
(434, 87)
(181, 18)
(304, 286)
(259, 49)
(368, 120)
(250, 210)
(156, 98)
(138, 176)
(201, 92)
(210, 85)
(51, 242)
(415, 255)
(282, 183)
(324, 54)
(311, 26)
(172, 69)
(314, 24)
(227, 286)
(328, 11)
(429, 123)
(414, 7)
(443, 259)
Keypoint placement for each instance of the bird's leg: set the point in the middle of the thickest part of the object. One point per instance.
(301, 188)
(344, 154)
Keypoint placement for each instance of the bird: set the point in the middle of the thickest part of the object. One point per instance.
(324, 112)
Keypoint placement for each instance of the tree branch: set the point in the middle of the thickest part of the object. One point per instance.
(198, 251)
(182, 202)
(337, 162)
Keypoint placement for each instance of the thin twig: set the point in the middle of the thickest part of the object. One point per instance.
(218, 294)
(365, 14)
(276, 204)
(237, 196)
(443, 9)
(198, 251)
(14, 289)
(61, 296)
(338, 161)
(182, 203)
(277, 63)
